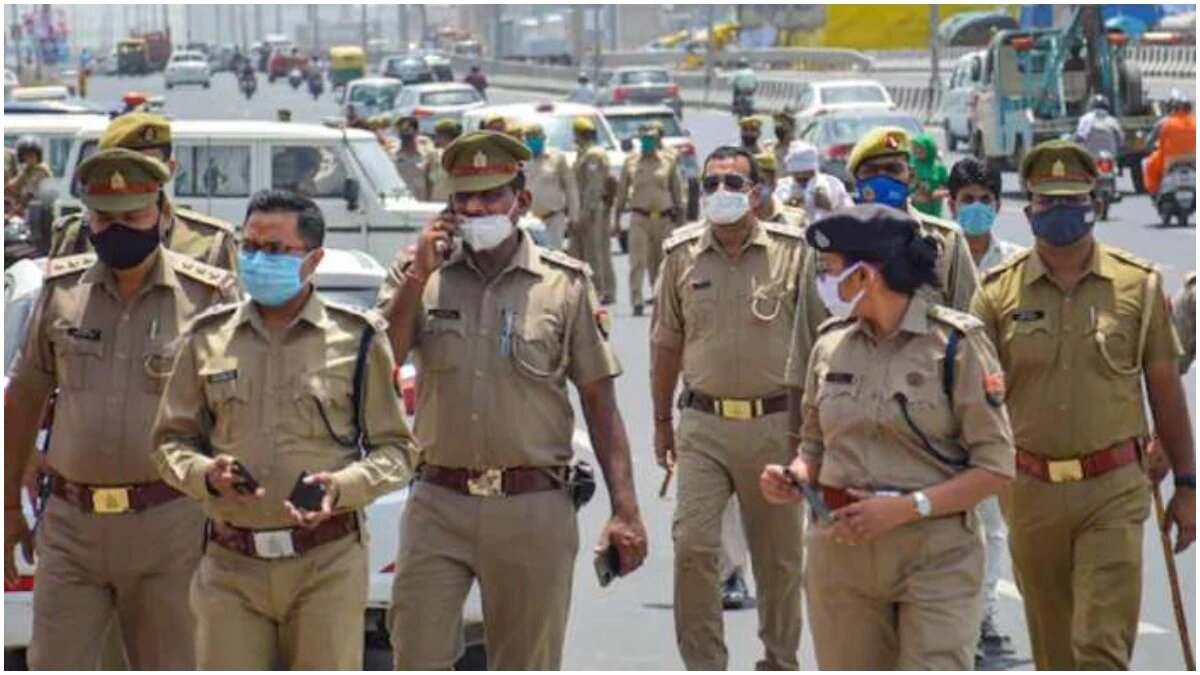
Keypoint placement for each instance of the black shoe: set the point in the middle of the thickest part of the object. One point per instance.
(650, 301)
(991, 640)
(638, 310)
(734, 594)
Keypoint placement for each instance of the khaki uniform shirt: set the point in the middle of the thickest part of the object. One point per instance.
(787, 215)
(551, 181)
(651, 183)
(240, 390)
(1070, 359)
(210, 240)
(493, 358)
(854, 425)
(732, 319)
(1184, 308)
(955, 269)
(412, 167)
(25, 186)
(435, 175)
(591, 177)
(110, 359)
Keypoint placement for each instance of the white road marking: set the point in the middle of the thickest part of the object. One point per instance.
(1009, 589)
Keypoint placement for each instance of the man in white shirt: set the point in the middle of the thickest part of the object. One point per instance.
(805, 186)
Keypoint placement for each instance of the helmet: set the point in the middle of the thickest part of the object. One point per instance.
(1178, 101)
(1100, 102)
(133, 98)
(583, 77)
(26, 144)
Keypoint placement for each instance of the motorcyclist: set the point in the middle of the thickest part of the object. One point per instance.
(477, 79)
(584, 91)
(1176, 141)
(1098, 130)
(32, 171)
(247, 71)
(744, 81)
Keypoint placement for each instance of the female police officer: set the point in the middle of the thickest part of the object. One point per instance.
(904, 432)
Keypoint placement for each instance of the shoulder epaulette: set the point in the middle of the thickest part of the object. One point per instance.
(563, 260)
(202, 218)
(1004, 267)
(782, 228)
(954, 318)
(833, 322)
(73, 264)
(212, 313)
(1130, 259)
(935, 222)
(683, 234)
(66, 221)
(202, 272)
(1190, 279)
(367, 316)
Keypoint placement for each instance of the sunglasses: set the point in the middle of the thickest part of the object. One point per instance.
(732, 181)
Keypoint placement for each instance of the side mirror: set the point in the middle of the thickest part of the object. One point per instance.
(350, 192)
(626, 145)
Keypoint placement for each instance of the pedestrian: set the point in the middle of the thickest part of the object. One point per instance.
(196, 235)
(412, 156)
(104, 335)
(904, 433)
(495, 496)
(769, 208)
(974, 190)
(1079, 326)
(283, 582)
(31, 177)
(722, 317)
(590, 240)
(785, 134)
(751, 131)
(551, 182)
(283, 115)
(806, 187)
(1184, 312)
(929, 175)
(652, 185)
(445, 131)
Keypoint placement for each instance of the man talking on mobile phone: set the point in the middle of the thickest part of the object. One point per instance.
(497, 326)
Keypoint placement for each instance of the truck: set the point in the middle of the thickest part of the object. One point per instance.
(1037, 83)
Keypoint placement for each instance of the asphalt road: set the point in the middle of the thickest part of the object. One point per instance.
(629, 625)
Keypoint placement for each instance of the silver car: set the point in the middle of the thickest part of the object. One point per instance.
(430, 103)
(640, 85)
(188, 67)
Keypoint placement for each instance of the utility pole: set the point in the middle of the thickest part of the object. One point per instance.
(402, 28)
(935, 78)
(258, 22)
(599, 38)
(364, 28)
(709, 56)
(278, 18)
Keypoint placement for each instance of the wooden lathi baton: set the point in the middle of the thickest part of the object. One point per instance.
(1173, 579)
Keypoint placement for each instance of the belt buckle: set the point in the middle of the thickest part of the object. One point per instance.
(110, 501)
(1064, 471)
(490, 483)
(736, 410)
(272, 544)
(655, 213)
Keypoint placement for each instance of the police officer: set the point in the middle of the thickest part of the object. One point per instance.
(496, 331)
(751, 133)
(900, 454)
(412, 156)
(769, 207)
(1184, 310)
(1079, 326)
(104, 334)
(445, 131)
(494, 122)
(283, 115)
(32, 171)
(785, 133)
(266, 392)
(551, 181)
(590, 241)
(722, 318)
(653, 187)
(196, 235)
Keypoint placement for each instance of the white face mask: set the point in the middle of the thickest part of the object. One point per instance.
(827, 288)
(483, 233)
(724, 207)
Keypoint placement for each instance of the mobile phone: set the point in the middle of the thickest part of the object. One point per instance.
(816, 503)
(246, 483)
(306, 496)
(608, 565)
(447, 250)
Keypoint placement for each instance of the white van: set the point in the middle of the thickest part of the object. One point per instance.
(222, 162)
(57, 134)
(958, 100)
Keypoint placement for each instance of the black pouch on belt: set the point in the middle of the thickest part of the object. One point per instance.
(582, 484)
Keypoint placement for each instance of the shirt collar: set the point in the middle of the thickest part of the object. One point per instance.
(160, 274)
(525, 257)
(312, 313)
(758, 237)
(915, 319)
(1098, 264)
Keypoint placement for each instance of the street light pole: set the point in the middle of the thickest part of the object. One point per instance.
(935, 79)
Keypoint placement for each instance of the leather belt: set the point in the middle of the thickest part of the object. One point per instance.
(733, 408)
(655, 213)
(549, 214)
(113, 499)
(287, 542)
(496, 482)
(1078, 468)
(836, 498)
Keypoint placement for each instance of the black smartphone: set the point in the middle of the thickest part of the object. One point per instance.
(448, 250)
(246, 484)
(305, 496)
(816, 503)
(608, 565)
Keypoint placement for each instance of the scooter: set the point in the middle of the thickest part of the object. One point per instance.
(1176, 196)
(743, 104)
(316, 85)
(295, 78)
(1106, 182)
(248, 85)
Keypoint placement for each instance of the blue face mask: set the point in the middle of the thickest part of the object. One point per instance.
(649, 143)
(537, 144)
(882, 190)
(271, 279)
(1062, 225)
(976, 218)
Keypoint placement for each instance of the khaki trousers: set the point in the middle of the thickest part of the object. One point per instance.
(521, 549)
(718, 458)
(591, 243)
(1077, 558)
(556, 230)
(909, 600)
(135, 567)
(646, 236)
(302, 613)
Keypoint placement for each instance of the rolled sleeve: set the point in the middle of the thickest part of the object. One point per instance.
(591, 358)
(179, 433)
(985, 431)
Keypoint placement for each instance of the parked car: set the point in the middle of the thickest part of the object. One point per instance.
(820, 98)
(407, 69)
(373, 95)
(186, 67)
(625, 121)
(644, 85)
(430, 103)
(834, 134)
(958, 101)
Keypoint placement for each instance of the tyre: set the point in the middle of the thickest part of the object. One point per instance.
(1103, 215)
(1139, 182)
(951, 141)
(1132, 93)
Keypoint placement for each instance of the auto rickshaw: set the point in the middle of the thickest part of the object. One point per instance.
(131, 57)
(345, 64)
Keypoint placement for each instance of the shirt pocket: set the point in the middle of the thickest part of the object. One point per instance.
(229, 403)
(1115, 340)
(538, 349)
(1034, 343)
(81, 363)
(157, 363)
(700, 306)
(837, 399)
(443, 346)
(927, 407)
(325, 407)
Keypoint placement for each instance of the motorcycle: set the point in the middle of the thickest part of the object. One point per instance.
(1176, 197)
(248, 85)
(1106, 182)
(743, 104)
(316, 85)
(295, 78)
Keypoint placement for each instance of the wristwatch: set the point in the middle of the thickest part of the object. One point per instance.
(924, 506)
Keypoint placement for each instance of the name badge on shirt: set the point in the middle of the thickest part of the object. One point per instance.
(1028, 315)
(90, 334)
(700, 284)
(839, 378)
(223, 376)
(439, 313)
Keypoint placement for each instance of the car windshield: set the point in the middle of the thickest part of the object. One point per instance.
(451, 97)
(626, 126)
(380, 170)
(855, 93)
(360, 298)
(850, 129)
(644, 77)
(187, 57)
(560, 133)
(378, 96)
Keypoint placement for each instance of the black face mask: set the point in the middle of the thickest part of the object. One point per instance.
(122, 247)
(781, 133)
(750, 141)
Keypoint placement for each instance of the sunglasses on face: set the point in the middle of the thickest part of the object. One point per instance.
(732, 181)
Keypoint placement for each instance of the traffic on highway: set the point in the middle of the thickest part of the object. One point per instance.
(599, 338)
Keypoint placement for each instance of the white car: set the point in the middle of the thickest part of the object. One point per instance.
(187, 67)
(958, 101)
(819, 98)
(431, 103)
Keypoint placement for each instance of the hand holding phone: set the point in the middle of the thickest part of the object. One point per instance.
(246, 483)
(306, 496)
(608, 565)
